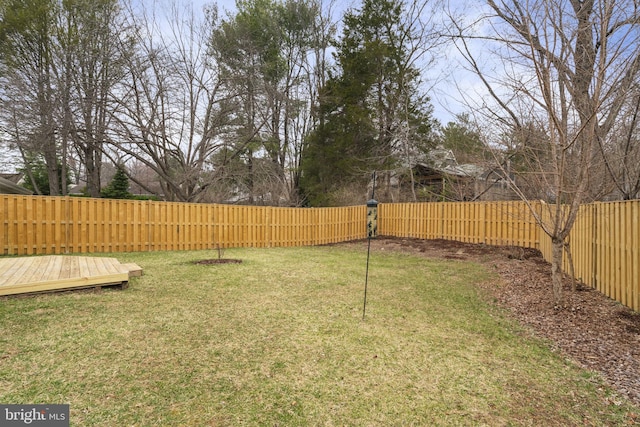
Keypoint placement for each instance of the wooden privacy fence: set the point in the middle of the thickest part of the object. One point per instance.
(605, 241)
(55, 225)
(491, 223)
(605, 246)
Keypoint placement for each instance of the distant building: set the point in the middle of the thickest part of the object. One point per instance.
(441, 178)
(9, 184)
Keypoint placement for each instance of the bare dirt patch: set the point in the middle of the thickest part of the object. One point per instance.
(598, 333)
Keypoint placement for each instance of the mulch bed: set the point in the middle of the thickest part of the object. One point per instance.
(596, 332)
(218, 261)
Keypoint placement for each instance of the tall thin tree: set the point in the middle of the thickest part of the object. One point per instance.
(568, 67)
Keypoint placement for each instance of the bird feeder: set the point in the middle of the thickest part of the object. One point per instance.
(372, 218)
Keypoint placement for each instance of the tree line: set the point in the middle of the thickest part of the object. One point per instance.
(290, 102)
(197, 106)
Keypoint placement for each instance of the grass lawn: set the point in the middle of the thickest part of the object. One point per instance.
(279, 340)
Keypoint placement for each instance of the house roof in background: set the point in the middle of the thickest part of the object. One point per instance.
(8, 187)
(13, 177)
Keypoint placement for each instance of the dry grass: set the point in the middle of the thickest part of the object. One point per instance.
(279, 340)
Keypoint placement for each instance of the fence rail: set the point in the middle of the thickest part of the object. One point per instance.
(605, 241)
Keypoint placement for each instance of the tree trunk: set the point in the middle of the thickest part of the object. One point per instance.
(557, 246)
(51, 161)
(572, 269)
(92, 166)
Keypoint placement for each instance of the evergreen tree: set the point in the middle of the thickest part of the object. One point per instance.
(371, 109)
(464, 139)
(263, 56)
(118, 188)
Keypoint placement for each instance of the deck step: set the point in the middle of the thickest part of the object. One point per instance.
(134, 269)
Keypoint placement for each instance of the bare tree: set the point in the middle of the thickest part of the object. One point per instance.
(27, 35)
(171, 109)
(621, 151)
(92, 61)
(567, 66)
(412, 131)
(61, 62)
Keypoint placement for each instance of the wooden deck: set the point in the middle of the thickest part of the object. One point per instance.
(56, 273)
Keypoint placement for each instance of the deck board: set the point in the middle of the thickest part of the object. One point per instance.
(16, 269)
(55, 272)
(52, 268)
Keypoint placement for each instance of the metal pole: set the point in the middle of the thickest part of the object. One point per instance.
(366, 280)
(369, 233)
